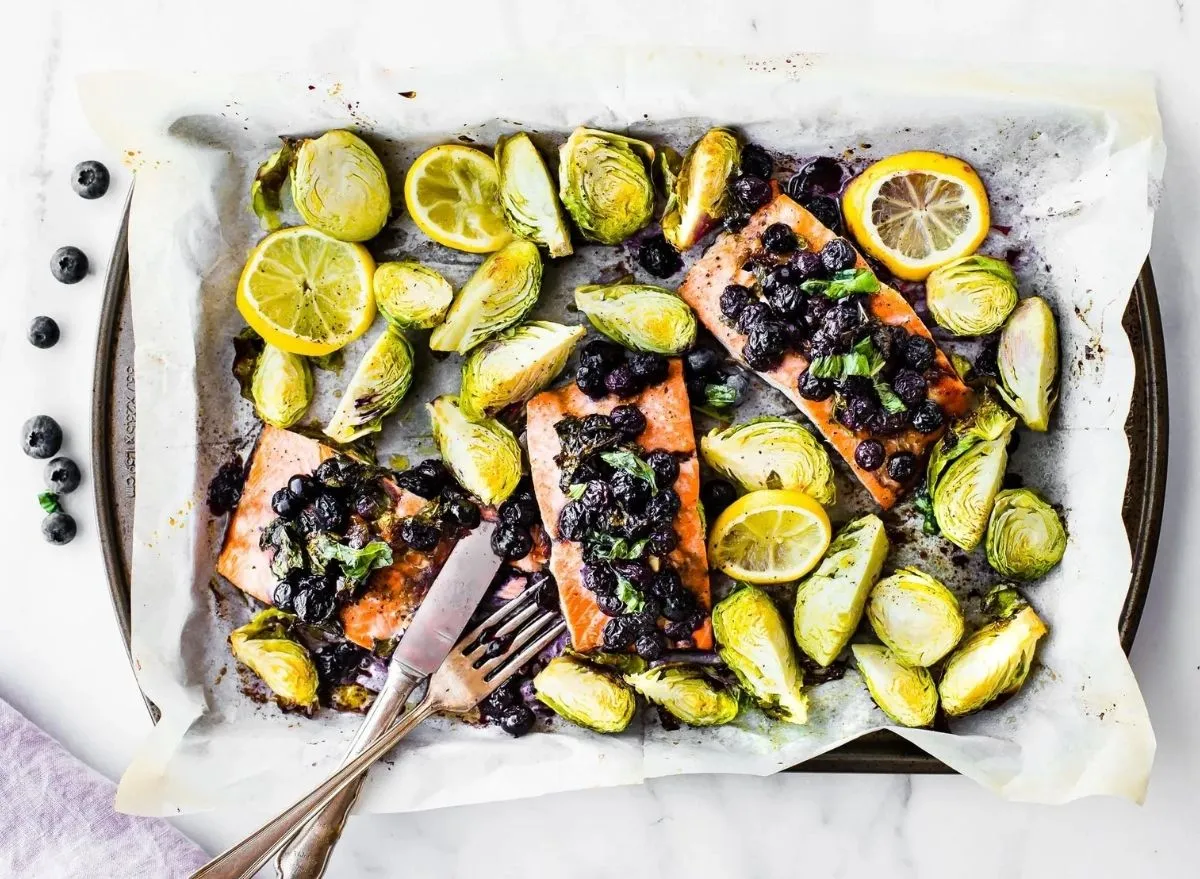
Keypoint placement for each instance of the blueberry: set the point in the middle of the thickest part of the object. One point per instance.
(41, 437)
(62, 475)
(314, 607)
(857, 412)
(765, 346)
(590, 380)
(339, 472)
(284, 596)
(650, 646)
(648, 368)
(986, 362)
(679, 608)
(716, 495)
(889, 342)
(756, 161)
(844, 318)
(918, 352)
(423, 483)
(601, 354)
(753, 315)
(636, 572)
(518, 511)
(665, 467)
(459, 509)
(597, 498)
(822, 176)
(739, 384)
(366, 503)
(679, 630)
(910, 386)
(225, 489)
(58, 528)
(573, 522)
(815, 311)
(622, 382)
(511, 542)
(884, 423)
(788, 300)
(331, 512)
(826, 210)
(807, 265)
(928, 417)
(704, 362)
(285, 504)
(838, 255)
(610, 604)
(43, 332)
(662, 508)
(629, 420)
(666, 584)
(630, 491)
(663, 540)
(902, 466)
(517, 720)
(69, 265)
(423, 536)
(620, 632)
(812, 388)
(749, 192)
(599, 579)
(658, 257)
(90, 179)
(779, 239)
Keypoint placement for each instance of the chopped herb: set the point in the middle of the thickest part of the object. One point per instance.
(605, 547)
(289, 552)
(720, 396)
(630, 463)
(49, 501)
(924, 505)
(844, 283)
(355, 564)
(575, 492)
(628, 593)
(863, 359)
(888, 398)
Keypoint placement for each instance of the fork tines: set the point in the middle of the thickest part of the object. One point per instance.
(511, 636)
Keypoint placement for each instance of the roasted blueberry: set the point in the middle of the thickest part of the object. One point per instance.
(779, 239)
(679, 608)
(928, 417)
(504, 696)
(753, 315)
(517, 720)
(302, 486)
(884, 423)
(756, 161)
(716, 495)
(658, 257)
(284, 595)
(58, 528)
(734, 299)
(986, 362)
(661, 508)
(787, 300)
(620, 632)
(622, 382)
(704, 362)
(749, 192)
(636, 572)
(285, 504)
(511, 542)
(459, 508)
(610, 604)
(665, 584)
(663, 540)
(43, 332)
(590, 380)
(331, 512)
(765, 346)
(597, 498)
(62, 475)
(902, 466)
(314, 607)
(815, 310)
(857, 412)
(812, 388)
(367, 502)
(630, 491)
(736, 221)
(649, 369)
(41, 437)
(918, 352)
(339, 473)
(599, 579)
(650, 645)
(826, 210)
(546, 596)
(678, 630)
(518, 511)
(573, 522)
(628, 420)
(90, 179)
(910, 386)
(822, 176)
(602, 354)
(806, 265)
(424, 536)
(665, 467)
(69, 265)
(843, 319)
(634, 526)
(838, 255)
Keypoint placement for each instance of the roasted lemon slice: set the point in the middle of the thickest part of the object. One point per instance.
(771, 536)
(453, 195)
(916, 211)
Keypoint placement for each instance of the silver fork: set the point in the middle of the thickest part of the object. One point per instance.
(468, 675)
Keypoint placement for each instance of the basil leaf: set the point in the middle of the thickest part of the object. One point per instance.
(575, 492)
(720, 396)
(826, 367)
(605, 547)
(49, 501)
(628, 593)
(863, 359)
(289, 552)
(356, 564)
(814, 286)
(630, 463)
(888, 398)
(844, 283)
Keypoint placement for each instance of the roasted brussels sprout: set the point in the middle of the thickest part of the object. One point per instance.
(339, 186)
(688, 693)
(698, 198)
(754, 643)
(605, 185)
(282, 386)
(515, 365)
(830, 601)
(267, 185)
(266, 648)
(905, 694)
(501, 292)
(1025, 537)
(971, 295)
(351, 697)
(527, 195)
(584, 694)
(411, 296)
(482, 453)
(966, 469)
(379, 384)
(916, 616)
(994, 660)
(771, 452)
(1027, 360)
(639, 316)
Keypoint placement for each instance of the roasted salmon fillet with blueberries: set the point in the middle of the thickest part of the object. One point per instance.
(618, 484)
(799, 306)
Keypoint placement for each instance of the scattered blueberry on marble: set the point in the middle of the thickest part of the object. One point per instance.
(90, 179)
(41, 437)
(43, 332)
(62, 475)
(69, 265)
(58, 528)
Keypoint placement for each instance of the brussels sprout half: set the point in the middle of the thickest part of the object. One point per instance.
(1025, 536)
(482, 453)
(605, 185)
(688, 693)
(905, 694)
(264, 646)
(339, 186)
(411, 296)
(771, 452)
(966, 469)
(639, 316)
(698, 199)
(501, 292)
(972, 295)
(916, 616)
(994, 660)
(583, 694)
(268, 184)
(282, 386)
(1028, 362)
(527, 195)
(380, 382)
(830, 601)
(754, 643)
(515, 365)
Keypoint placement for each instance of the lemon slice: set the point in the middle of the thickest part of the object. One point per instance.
(916, 211)
(307, 293)
(453, 194)
(771, 536)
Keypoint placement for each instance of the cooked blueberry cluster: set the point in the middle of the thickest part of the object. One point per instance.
(606, 368)
(338, 663)
(658, 257)
(513, 538)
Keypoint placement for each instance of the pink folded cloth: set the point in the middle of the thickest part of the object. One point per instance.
(57, 819)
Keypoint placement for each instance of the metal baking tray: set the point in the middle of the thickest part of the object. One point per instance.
(114, 465)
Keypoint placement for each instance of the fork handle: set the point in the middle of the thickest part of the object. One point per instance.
(243, 860)
(307, 855)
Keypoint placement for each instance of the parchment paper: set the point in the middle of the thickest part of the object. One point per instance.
(1073, 163)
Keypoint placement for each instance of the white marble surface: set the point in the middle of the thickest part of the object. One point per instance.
(61, 659)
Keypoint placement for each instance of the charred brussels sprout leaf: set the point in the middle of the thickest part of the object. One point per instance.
(966, 469)
(351, 697)
(1025, 537)
(771, 452)
(267, 186)
(482, 453)
(287, 550)
(639, 316)
(972, 295)
(282, 387)
(515, 365)
(265, 646)
(830, 601)
(527, 195)
(339, 186)
(905, 694)
(379, 384)
(411, 296)
(247, 346)
(916, 616)
(584, 694)
(994, 660)
(754, 643)
(605, 185)
(501, 292)
(688, 693)
(698, 198)
(1028, 362)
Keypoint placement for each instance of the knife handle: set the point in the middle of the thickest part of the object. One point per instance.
(307, 855)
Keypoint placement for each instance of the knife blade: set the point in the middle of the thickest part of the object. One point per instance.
(435, 628)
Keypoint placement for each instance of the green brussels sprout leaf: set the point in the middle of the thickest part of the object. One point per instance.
(687, 693)
(971, 295)
(515, 365)
(501, 292)
(605, 185)
(378, 385)
(482, 453)
(411, 296)
(265, 646)
(639, 316)
(1028, 362)
(339, 186)
(527, 195)
(698, 198)
(281, 387)
(1025, 536)
(916, 616)
(586, 695)
(267, 186)
(906, 694)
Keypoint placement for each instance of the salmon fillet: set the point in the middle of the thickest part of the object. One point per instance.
(721, 266)
(668, 426)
